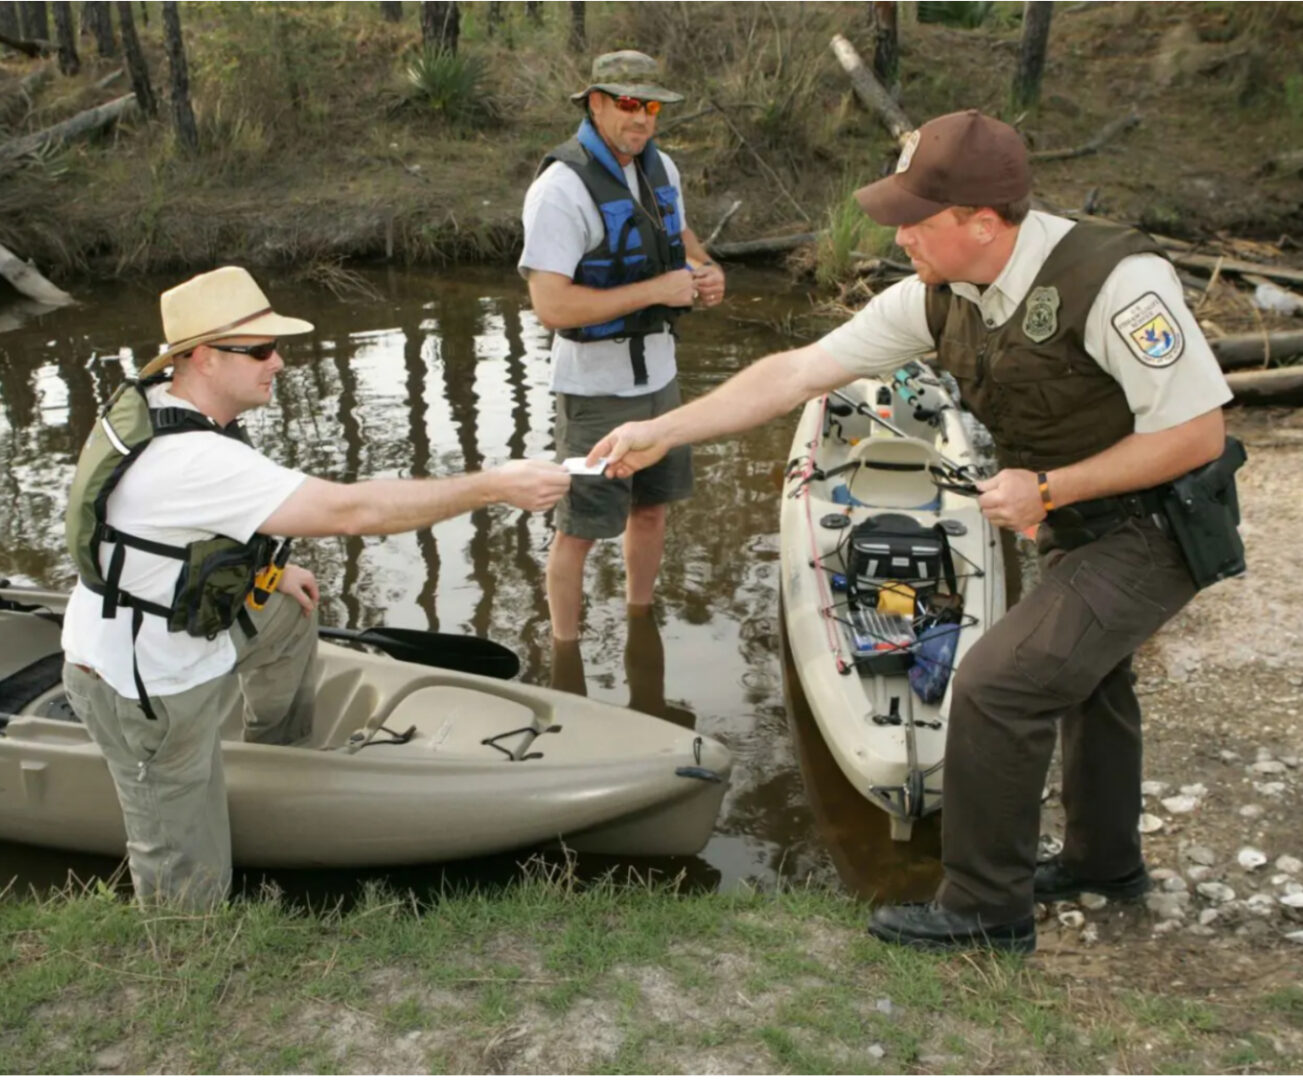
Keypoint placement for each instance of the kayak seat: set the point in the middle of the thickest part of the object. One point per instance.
(457, 721)
(893, 474)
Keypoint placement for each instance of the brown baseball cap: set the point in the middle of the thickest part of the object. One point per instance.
(960, 159)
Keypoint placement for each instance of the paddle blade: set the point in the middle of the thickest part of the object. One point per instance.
(455, 652)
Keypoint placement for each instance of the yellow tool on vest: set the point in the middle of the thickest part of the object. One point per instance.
(269, 577)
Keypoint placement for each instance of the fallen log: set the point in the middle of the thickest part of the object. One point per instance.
(1248, 350)
(872, 93)
(34, 47)
(1285, 164)
(84, 123)
(1110, 130)
(1237, 266)
(1275, 386)
(29, 281)
(769, 246)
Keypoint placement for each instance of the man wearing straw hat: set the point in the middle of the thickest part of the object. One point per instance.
(172, 515)
(611, 264)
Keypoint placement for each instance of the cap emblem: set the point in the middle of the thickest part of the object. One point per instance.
(907, 151)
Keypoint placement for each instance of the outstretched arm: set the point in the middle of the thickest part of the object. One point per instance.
(771, 386)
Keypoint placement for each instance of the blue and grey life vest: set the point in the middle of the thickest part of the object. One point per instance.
(643, 236)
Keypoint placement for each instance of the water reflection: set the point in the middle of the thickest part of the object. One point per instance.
(441, 375)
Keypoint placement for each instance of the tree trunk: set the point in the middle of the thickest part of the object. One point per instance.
(183, 116)
(495, 16)
(69, 62)
(392, 10)
(144, 12)
(1031, 58)
(534, 10)
(440, 25)
(886, 43)
(9, 19)
(100, 24)
(578, 39)
(36, 24)
(29, 281)
(136, 65)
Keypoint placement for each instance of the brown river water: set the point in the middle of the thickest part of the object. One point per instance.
(446, 372)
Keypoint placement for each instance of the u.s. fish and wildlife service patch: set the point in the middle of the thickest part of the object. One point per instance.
(1151, 331)
(1041, 320)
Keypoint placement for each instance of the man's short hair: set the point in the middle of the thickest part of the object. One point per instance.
(1011, 213)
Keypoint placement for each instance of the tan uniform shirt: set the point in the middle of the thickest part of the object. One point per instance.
(1139, 328)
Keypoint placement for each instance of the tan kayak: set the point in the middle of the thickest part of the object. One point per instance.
(483, 766)
(884, 571)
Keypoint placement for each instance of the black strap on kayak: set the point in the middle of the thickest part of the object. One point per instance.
(492, 741)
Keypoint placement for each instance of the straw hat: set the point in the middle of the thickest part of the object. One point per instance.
(220, 304)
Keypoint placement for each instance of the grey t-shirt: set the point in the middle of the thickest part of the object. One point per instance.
(562, 223)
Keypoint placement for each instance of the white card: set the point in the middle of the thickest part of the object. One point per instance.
(575, 467)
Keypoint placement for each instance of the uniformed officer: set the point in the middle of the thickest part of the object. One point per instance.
(1073, 344)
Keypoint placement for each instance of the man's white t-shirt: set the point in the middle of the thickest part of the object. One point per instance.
(562, 223)
(1162, 392)
(183, 488)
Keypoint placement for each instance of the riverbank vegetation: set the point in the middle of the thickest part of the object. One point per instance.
(548, 977)
(328, 132)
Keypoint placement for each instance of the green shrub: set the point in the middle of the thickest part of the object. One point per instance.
(453, 86)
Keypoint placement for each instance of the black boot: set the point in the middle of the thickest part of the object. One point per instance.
(930, 926)
(1054, 881)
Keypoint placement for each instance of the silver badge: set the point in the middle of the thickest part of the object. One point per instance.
(1042, 318)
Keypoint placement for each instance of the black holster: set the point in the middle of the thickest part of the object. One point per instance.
(1203, 510)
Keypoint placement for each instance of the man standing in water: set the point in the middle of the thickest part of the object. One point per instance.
(171, 517)
(1073, 344)
(608, 256)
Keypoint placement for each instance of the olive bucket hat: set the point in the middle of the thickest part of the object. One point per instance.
(630, 73)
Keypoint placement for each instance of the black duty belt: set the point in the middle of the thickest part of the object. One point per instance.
(1137, 504)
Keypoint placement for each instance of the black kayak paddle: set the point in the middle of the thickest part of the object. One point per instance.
(456, 652)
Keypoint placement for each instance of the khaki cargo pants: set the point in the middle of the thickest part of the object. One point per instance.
(168, 771)
(1062, 653)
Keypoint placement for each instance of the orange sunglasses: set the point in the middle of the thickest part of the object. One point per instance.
(632, 104)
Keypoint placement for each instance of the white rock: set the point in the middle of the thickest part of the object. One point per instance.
(1073, 920)
(1268, 768)
(1167, 905)
(1162, 873)
(1215, 891)
(1167, 926)
(1090, 934)
(1197, 791)
(1250, 810)
(1199, 873)
(1180, 804)
(1150, 823)
(1291, 761)
(1092, 901)
(1261, 904)
(1229, 756)
(1208, 916)
(876, 1051)
(1198, 853)
(1263, 754)
(1154, 787)
(885, 1006)
(1293, 900)
(1251, 858)
(1288, 864)
(1295, 936)
(1273, 788)
(1288, 888)
(1175, 884)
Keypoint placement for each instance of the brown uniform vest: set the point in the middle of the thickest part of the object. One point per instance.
(1047, 403)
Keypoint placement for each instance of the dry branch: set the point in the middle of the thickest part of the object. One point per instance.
(768, 246)
(35, 47)
(759, 159)
(29, 281)
(83, 123)
(871, 93)
(1248, 350)
(1276, 386)
(1109, 131)
(714, 233)
(1237, 266)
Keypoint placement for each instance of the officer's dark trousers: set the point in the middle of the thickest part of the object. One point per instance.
(1063, 652)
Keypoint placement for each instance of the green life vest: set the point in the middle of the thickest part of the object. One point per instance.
(216, 575)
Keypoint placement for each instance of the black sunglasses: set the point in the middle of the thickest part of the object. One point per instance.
(261, 351)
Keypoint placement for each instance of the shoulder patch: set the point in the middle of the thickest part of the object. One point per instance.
(1150, 331)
